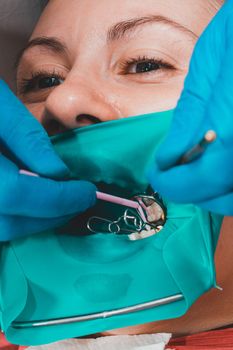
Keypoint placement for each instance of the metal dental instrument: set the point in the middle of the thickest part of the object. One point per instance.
(121, 201)
(104, 197)
(148, 219)
(197, 150)
(131, 220)
(145, 217)
(99, 315)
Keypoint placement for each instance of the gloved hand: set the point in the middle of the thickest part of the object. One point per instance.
(31, 204)
(206, 103)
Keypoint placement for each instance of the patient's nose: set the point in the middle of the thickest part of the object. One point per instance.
(75, 104)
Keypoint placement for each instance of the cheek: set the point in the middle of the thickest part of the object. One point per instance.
(150, 98)
(36, 109)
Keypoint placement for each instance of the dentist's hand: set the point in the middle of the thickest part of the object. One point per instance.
(206, 104)
(31, 204)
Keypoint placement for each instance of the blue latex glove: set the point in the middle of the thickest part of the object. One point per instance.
(206, 103)
(33, 204)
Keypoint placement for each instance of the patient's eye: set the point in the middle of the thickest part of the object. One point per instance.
(144, 64)
(48, 82)
(147, 66)
(40, 81)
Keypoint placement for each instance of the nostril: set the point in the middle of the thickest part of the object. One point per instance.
(53, 126)
(86, 119)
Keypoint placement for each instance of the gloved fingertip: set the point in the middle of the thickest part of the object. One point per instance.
(85, 195)
(51, 166)
(3, 86)
(57, 171)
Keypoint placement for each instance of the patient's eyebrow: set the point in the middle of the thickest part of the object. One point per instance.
(51, 43)
(121, 29)
(117, 31)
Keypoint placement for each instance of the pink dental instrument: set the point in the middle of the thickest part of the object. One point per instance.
(105, 197)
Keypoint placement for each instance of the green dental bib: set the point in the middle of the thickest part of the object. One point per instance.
(63, 276)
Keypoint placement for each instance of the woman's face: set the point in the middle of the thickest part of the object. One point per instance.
(92, 61)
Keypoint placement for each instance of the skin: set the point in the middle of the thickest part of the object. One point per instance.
(101, 80)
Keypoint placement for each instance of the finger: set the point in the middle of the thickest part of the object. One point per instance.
(13, 227)
(190, 122)
(205, 178)
(31, 196)
(23, 135)
(220, 105)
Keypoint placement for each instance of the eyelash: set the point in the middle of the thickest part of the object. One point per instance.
(28, 85)
(140, 59)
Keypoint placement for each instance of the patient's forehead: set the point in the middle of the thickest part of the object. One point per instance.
(81, 17)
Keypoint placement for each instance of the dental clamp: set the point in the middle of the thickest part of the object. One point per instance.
(144, 216)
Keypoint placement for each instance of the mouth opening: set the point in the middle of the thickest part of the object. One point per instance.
(136, 216)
